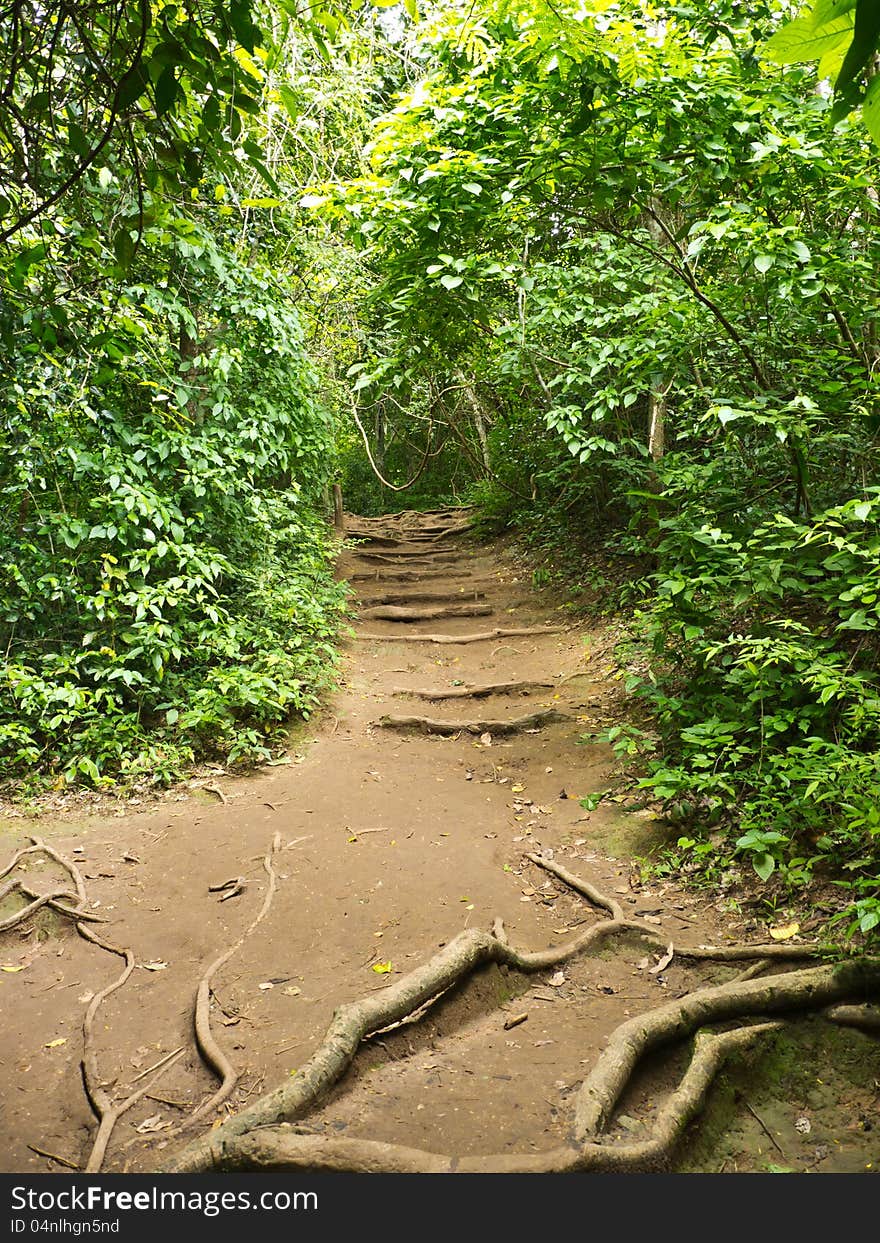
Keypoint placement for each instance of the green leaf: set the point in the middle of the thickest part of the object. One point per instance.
(451, 282)
(472, 187)
(763, 263)
(166, 91)
(866, 34)
(77, 140)
(799, 41)
(123, 248)
(827, 10)
(871, 109)
(291, 102)
(764, 865)
(131, 87)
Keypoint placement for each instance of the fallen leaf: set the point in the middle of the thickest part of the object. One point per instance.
(517, 789)
(557, 979)
(268, 984)
(803, 1125)
(663, 962)
(158, 965)
(292, 991)
(382, 968)
(154, 1123)
(53, 1044)
(486, 740)
(11, 969)
(785, 932)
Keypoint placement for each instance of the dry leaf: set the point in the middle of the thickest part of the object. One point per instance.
(785, 932)
(517, 789)
(803, 1125)
(53, 1044)
(158, 965)
(557, 979)
(664, 961)
(12, 970)
(154, 1123)
(268, 984)
(382, 968)
(486, 740)
(292, 991)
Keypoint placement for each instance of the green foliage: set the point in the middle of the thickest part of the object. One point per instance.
(166, 589)
(844, 37)
(649, 257)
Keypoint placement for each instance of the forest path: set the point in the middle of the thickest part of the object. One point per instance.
(395, 835)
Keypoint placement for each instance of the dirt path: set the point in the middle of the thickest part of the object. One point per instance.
(394, 836)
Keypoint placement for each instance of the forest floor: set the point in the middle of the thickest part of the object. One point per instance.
(395, 837)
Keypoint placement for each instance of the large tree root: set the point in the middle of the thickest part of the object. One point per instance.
(353, 1022)
(866, 1017)
(283, 1148)
(403, 557)
(428, 725)
(398, 613)
(445, 597)
(502, 632)
(475, 692)
(404, 576)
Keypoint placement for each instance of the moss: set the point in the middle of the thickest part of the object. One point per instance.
(814, 1086)
(627, 835)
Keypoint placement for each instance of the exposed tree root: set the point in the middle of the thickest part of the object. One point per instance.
(106, 1110)
(283, 1148)
(398, 613)
(54, 898)
(581, 886)
(421, 597)
(471, 949)
(867, 1017)
(808, 989)
(480, 637)
(211, 1052)
(427, 725)
(475, 692)
(404, 576)
(427, 556)
(779, 951)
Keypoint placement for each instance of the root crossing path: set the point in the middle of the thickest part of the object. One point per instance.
(409, 946)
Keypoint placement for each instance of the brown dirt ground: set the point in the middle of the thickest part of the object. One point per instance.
(392, 844)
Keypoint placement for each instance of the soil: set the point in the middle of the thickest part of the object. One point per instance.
(392, 842)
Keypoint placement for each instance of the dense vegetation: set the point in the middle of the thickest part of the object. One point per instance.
(609, 269)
